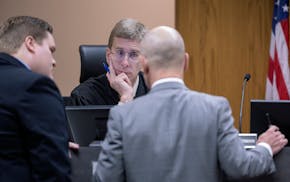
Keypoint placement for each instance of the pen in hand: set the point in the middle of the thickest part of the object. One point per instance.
(268, 119)
(106, 67)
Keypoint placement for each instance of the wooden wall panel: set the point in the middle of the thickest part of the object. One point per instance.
(226, 39)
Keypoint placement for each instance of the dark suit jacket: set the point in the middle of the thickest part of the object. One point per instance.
(33, 126)
(97, 91)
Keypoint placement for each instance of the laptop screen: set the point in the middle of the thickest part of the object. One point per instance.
(265, 112)
(87, 123)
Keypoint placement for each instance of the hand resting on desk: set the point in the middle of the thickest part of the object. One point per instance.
(274, 138)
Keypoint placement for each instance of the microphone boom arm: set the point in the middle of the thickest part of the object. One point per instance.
(241, 106)
(246, 78)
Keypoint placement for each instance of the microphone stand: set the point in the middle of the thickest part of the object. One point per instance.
(249, 139)
(246, 79)
(242, 103)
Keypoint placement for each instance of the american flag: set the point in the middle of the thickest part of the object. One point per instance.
(278, 80)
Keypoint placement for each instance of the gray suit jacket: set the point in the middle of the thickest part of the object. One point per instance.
(175, 134)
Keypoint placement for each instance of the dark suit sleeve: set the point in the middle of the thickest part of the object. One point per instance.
(45, 131)
(110, 165)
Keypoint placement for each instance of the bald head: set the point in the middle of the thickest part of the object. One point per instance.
(164, 54)
(163, 47)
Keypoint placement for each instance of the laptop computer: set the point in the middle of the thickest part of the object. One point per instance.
(267, 112)
(87, 123)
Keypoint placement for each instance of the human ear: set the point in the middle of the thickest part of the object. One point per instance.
(29, 43)
(144, 65)
(108, 52)
(186, 61)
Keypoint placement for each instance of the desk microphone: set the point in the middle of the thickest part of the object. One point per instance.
(248, 139)
(246, 79)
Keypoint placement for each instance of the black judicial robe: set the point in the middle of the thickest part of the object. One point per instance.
(97, 91)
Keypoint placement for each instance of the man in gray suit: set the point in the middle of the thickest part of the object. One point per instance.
(175, 134)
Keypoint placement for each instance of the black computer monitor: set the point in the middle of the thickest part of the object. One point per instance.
(87, 123)
(264, 112)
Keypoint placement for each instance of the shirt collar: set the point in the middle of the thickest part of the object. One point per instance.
(26, 65)
(170, 79)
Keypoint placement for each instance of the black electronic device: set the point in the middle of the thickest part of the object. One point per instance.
(267, 112)
(87, 123)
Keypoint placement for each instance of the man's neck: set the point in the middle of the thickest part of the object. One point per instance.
(164, 75)
(21, 59)
(168, 79)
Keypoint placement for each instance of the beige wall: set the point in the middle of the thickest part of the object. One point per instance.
(86, 22)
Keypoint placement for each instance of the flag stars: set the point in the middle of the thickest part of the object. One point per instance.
(277, 2)
(285, 8)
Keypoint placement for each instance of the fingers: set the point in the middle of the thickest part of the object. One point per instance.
(120, 83)
(125, 78)
(285, 141)
(281, 138)
(119, 80)
(279, 145)
(273, 128)
(73, 145)
(112, 70)
(112, 74)
(274, 138)
(277, 140)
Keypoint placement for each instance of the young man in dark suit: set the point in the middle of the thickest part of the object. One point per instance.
(33, 127)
